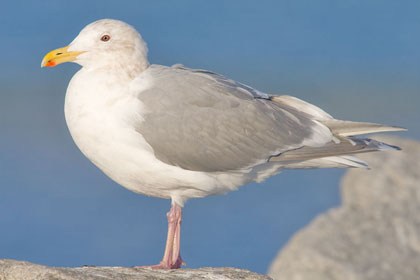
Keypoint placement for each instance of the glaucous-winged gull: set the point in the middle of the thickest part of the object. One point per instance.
(180, 133)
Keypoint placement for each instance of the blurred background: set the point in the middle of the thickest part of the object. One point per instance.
(358, 60)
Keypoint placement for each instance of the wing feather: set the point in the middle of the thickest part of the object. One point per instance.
(201, 121)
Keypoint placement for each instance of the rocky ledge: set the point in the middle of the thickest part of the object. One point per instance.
(16, 270)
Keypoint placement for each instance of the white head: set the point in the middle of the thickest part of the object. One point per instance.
(105, 44)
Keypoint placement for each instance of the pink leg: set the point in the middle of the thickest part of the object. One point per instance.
(171, 257)
(176, 251)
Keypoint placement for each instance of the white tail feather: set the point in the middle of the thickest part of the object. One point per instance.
(336, 153)
(348, 128)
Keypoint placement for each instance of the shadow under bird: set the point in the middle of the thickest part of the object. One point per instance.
(180, 133)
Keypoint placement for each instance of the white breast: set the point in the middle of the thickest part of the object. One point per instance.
(101, 113)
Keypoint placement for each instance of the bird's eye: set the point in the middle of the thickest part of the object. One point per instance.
(105, 38)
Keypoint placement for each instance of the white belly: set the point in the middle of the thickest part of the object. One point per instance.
(101, 117)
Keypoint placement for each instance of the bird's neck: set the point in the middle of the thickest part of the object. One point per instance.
(125, 70)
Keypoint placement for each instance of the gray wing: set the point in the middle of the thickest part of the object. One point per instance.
(201, 121)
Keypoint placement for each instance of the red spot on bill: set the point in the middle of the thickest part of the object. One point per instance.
(50, 64)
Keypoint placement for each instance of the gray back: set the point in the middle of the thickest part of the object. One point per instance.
(201, 121)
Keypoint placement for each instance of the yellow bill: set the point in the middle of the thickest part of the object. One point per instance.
(59, 56)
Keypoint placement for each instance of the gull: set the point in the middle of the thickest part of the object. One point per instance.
(179, 133)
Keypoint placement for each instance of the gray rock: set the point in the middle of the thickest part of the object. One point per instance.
(375, 234)
(20, 270)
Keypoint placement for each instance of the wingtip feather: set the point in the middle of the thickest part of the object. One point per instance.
(349, 128)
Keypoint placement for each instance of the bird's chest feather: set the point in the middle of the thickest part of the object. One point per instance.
(100, 113)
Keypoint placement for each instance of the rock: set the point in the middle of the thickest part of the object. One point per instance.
(16, 270)
(375, 234)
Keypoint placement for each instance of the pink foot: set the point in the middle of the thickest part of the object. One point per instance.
(172, 257)
(163, 265)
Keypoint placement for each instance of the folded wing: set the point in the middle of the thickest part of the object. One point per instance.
(202, 121)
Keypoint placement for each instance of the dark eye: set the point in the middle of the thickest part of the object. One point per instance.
(105, 38)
